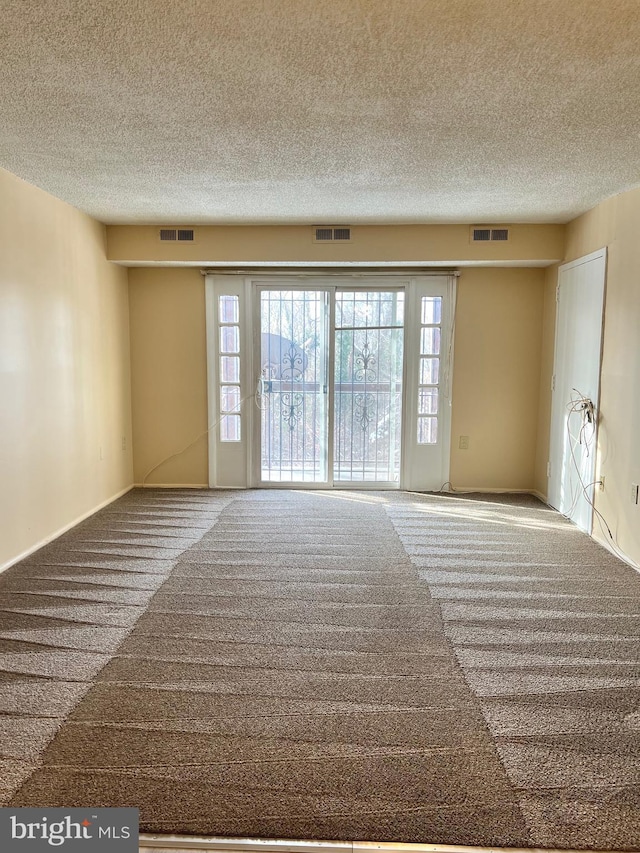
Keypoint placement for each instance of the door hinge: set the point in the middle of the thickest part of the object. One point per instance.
(553, 382)
(548, 469)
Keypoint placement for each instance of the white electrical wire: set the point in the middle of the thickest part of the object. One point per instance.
(581, 404)
(577, 405)
(236, 410)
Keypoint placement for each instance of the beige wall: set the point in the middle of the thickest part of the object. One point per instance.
(546, 374)
(497, 359)
(370, 243)
(64, 368)
(616, 224)
(496, 377)
(168, 375)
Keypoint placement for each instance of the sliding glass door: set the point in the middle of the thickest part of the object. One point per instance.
(339, 345)
(293, 386)
(329, 381)
(368, 370)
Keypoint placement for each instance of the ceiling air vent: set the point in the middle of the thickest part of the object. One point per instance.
(485, 234)
(171, 235)
(331, 234)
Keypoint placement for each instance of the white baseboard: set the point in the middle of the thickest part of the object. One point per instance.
(181, 843)
(616, 551)
(62, 530)
(170, 486)
(185, 844)
(467, 490)
(540, 496)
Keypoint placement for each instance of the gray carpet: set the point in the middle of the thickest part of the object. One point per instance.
(357, 666)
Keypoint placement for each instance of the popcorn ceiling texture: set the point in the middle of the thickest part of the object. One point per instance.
(232, 111)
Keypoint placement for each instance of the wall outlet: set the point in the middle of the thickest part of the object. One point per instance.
(463, 443)
(124, 442)
(601, 483)
(634, 493)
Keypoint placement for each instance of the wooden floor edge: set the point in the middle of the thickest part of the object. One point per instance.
(184, 843)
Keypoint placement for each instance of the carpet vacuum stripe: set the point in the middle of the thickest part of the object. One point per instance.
(548, 638)
(279, 664)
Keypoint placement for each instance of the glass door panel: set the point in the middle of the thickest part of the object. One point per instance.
(293, 386)
(368, 371)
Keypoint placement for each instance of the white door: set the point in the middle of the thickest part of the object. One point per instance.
(576, 388)
(329, 381)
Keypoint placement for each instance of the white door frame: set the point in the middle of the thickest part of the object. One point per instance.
(575, 392)
(235, 464)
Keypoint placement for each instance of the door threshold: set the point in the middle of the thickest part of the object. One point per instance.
(382, 486)
(183, 843)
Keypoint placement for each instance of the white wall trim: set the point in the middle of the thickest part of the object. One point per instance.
(147, 486)
(599, 253)
(179, 843)
(466, 490)
(186, 842)
(601, 539)
(212, 355)
(64, 529)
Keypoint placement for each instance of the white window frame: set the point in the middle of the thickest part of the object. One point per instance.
(426, 466)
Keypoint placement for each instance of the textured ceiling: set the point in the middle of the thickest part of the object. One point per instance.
(229, 111)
